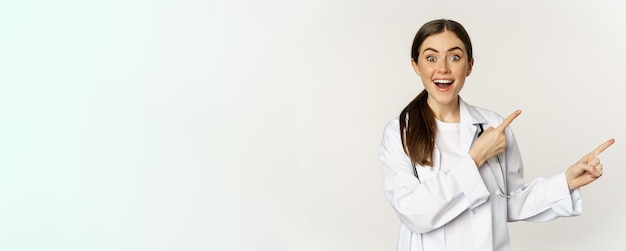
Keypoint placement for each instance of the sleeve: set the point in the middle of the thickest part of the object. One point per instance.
(427, 205)
(543, 199)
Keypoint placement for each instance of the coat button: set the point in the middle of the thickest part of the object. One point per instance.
(474, 211)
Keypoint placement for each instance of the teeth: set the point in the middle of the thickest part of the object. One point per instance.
(442, 81)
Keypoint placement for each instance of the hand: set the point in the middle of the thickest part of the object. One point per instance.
(492, 141)
(587, 169)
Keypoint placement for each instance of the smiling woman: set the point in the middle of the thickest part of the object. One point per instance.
(454, 184)
(443, 75)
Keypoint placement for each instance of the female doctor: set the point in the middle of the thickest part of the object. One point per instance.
(452, 171)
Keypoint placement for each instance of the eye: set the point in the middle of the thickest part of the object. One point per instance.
(455, 58)
(431, 59)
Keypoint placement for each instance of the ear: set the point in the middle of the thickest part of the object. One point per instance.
(469, 67)
(416, 67)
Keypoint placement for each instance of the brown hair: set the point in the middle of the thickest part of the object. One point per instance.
(417, 121)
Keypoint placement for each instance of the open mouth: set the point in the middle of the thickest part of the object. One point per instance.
(443, 83)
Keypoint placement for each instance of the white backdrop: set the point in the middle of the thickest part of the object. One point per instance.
(254, 125)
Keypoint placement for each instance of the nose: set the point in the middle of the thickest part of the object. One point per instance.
(442, 66)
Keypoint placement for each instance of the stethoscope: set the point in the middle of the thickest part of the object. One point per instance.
(502, 191)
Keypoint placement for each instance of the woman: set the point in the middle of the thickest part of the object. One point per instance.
(452, 171)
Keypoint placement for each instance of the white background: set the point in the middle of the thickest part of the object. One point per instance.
(254, 125)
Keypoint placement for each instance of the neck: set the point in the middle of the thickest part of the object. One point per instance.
(449, 112)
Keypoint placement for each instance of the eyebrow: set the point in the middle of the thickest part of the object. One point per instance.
(451, 49)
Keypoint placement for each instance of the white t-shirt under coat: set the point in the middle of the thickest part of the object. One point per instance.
(458, 232)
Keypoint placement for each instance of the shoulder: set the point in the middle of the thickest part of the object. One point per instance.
(488, 114)
(483, 115)
(487, 117)
(392, 126)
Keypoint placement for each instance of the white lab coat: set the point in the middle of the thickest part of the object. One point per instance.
(425, 205)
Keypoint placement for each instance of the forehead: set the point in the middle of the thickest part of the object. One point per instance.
(442, 42)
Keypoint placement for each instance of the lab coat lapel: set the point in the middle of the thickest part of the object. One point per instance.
(470, 121)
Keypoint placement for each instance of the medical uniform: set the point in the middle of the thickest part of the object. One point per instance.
(480, 200)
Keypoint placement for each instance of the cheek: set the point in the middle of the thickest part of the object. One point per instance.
(426, 72)
(463, 70)
(466, 70)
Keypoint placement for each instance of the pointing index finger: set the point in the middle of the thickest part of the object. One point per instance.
(508, 120)
(602, 147)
